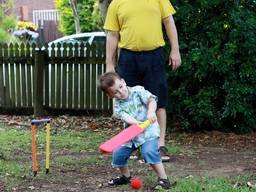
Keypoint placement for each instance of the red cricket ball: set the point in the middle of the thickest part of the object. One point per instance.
(136, 183)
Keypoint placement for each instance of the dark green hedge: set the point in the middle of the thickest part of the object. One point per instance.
(215, 88)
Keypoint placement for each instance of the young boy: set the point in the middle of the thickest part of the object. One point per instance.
(134, 105)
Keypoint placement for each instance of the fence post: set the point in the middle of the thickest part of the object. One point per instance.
(40, 59)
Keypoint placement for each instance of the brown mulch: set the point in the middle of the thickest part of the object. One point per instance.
(216, 138)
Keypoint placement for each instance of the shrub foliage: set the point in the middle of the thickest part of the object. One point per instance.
(215, 88)
(7, 23)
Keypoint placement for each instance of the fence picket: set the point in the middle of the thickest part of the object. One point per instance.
(70, 87)
(10, 74)
(64, 86)
(58, 86)
(99, 93)
(7, 86)
(88, 86)
(82, 50)
(12, 83)
(82, 88)
(52, 89)
(76, 86)
(23, 84)
(69, 47)
(46, 85)
(30, 85)
(18, 86)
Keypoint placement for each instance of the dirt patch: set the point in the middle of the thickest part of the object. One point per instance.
(1, 186)
(201, 154)
(214, 154)
(212, 161)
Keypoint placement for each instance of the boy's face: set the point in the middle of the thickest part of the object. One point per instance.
(119, 90)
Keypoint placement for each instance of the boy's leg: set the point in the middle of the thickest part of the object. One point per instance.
(125, 171)
(151, 155)
(159, 169)
(150, 152)
(163, 180)
(120, 160)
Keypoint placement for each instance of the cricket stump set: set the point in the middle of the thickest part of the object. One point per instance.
(34, 124)
(107, 147)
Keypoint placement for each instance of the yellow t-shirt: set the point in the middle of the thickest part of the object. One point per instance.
(139, 22)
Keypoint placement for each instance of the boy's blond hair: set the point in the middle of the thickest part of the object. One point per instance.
(107, 80)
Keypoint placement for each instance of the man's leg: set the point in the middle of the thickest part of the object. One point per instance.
(161, 117)
(155, 81)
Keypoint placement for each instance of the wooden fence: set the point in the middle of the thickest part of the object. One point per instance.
(42, 78)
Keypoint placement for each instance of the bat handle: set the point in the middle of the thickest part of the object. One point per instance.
(145, 124)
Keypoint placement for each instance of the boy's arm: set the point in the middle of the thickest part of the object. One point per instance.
(130, 120)
(125, 117)
(151, 109)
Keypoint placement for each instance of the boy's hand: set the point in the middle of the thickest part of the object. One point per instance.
(152, 110)
(152, 117)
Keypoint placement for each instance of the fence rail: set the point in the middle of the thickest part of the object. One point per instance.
(57, 77)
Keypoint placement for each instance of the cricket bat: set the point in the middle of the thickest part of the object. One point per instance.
(123, 137)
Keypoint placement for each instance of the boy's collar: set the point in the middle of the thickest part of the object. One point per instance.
(129, 90)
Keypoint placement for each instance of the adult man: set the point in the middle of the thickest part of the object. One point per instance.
(136, 28)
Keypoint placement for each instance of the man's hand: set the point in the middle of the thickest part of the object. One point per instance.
(110, 68)
(175, 59)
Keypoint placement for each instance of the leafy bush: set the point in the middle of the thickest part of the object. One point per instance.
(7, 24)
(215, 88)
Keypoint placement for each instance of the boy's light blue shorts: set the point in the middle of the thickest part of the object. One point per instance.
(149, 152)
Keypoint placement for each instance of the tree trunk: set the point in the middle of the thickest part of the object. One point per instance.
(103, 5)
(73, 4)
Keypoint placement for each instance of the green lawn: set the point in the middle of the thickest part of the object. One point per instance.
(71, 150)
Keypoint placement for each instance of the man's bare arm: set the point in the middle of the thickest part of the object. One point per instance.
(170, 27)
(111, 50)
